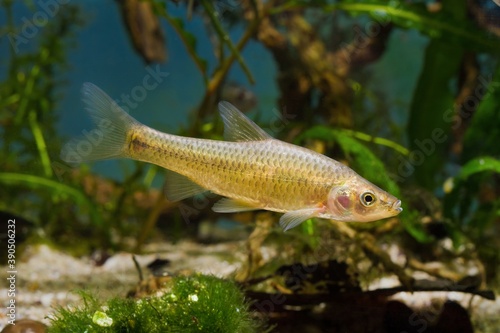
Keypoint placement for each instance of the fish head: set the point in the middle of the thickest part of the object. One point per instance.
(361, 201)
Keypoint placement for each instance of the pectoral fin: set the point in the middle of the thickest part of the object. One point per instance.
(296, 217)
(178, 187)
(227, 205)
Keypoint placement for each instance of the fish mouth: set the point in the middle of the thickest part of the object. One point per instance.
(397, 206)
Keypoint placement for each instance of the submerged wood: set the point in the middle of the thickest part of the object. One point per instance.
(144, 30)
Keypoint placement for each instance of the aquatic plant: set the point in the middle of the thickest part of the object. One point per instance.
(28, 96)
(199, 303)
(436, 155)
(59, 200)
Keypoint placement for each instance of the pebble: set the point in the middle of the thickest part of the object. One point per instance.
(25, 326)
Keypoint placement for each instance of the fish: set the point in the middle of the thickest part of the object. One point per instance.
(250, 169)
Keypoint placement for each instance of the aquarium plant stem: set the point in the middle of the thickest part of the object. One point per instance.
(150, 176)
(150, 222)
(221, 72)
(187, 39)
(40, 143)
(28, 91)
(226, 39)
(28, 87)
(223, 69)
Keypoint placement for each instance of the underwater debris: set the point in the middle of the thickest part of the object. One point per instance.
(238, 95)
(144, 30)
(25, 326)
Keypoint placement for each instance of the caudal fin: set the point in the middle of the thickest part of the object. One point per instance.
(109, 138)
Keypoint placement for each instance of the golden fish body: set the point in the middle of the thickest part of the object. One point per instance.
(268, 174)
(253, 170)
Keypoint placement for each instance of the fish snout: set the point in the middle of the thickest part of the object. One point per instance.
(396, 206)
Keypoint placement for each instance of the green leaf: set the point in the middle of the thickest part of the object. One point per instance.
(364, 160)
(464, 206)
(36, 182)
(428, 127)
(486, 119)
(377, 140)
(410, 219)
(478, 165)
(447, 24)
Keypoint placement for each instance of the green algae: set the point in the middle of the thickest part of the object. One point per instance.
(199, 303)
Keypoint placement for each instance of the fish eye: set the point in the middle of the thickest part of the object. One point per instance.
(367, 199)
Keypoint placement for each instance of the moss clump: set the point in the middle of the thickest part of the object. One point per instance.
(193, 304)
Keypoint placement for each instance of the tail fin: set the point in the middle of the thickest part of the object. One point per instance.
(109, 138)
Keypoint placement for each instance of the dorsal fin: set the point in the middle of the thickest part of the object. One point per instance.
(237, 127)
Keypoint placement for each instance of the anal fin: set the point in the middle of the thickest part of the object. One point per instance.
(178, 187)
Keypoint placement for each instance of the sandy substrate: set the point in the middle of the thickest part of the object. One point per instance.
(47, 278)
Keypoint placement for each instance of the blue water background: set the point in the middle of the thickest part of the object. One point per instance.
(105, 57)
